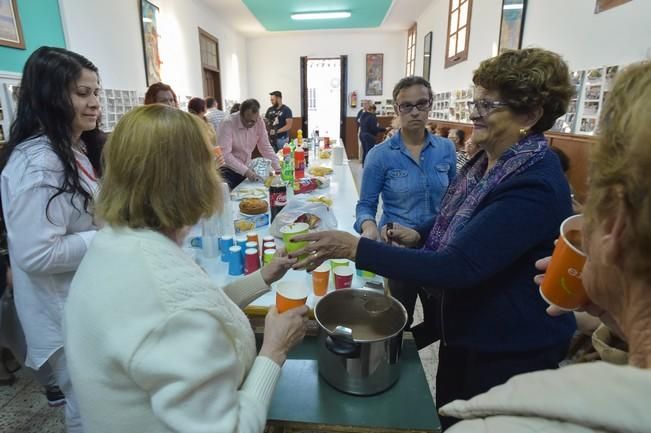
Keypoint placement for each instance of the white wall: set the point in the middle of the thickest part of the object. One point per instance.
(108, 33)
(569, 27)
(484, 32)
(274, 61)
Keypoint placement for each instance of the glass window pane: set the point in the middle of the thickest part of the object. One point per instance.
(454, 23)
(461, 39)
(463, 14)
(455, 4)
(452, 46)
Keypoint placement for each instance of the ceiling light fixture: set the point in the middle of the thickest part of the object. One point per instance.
(513, 6)
(321, 15)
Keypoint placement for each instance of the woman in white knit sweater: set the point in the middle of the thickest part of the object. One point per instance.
(153, 344)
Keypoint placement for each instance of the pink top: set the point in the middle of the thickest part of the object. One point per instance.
(237, 143)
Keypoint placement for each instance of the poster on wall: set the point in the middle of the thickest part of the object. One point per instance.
(149, 25)
(374, 66)
(11, 32)
(513, 12)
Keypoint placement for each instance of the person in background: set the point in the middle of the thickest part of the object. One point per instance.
(442, 131)
(431, 128)
(597, 396)
(471, 148)
(149, 335)
(278, 120)
(214, 115)
(197, 106)
(501, 213)
(239, 134)
(47, 186)
(235, 108)
(160, 93)
(410, 171)
(457, 137)
(565, 165)
(369, 128)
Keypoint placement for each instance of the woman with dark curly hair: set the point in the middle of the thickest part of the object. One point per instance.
(500, 214)
(161, 93)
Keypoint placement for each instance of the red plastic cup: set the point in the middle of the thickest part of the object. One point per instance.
(343, 277)
(251, 260)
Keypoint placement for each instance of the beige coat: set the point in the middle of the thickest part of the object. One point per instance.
(594, 397)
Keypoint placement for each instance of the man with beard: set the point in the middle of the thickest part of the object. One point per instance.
(278, 120)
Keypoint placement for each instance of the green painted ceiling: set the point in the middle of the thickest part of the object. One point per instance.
(274, 15)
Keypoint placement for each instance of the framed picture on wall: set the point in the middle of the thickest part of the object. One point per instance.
(374, 72)
(512, 26)
(604, 5)
(11, 32)
(427, 55)
(149, 26)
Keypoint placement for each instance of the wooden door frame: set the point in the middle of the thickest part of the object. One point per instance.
(219, 98)
(343, 88)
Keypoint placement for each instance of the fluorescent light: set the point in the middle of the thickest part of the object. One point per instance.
(511, 7)
(147, 20)
(320, 15)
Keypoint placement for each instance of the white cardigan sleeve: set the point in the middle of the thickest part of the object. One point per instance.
(188, 366)
(39, 244)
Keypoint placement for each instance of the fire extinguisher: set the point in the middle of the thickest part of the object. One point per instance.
(353, 99)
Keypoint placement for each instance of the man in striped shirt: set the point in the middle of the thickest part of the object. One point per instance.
(214, 114)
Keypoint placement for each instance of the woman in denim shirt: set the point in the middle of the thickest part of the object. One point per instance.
(411, 171)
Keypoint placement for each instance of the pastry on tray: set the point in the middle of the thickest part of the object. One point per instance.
(253, 206)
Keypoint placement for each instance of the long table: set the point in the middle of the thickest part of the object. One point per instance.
(342, 191)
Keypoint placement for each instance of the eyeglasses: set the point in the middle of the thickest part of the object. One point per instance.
(406, 107)
(484, 107)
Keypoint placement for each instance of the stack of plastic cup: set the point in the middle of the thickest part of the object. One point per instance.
(253, 237)
(251, 244)
(268, 255)
(268, 246)
(251, 260)
(225, 242)
(235, 260)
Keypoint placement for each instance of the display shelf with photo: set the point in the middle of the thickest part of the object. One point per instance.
(441, 106)
(461, 112)
(116, 103)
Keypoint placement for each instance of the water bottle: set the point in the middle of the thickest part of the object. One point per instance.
(210, 235)
(226, 216)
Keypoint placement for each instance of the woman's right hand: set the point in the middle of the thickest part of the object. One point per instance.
(590, 308)
(282, 332)
(401, 236)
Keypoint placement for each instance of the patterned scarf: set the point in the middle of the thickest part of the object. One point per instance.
(471, 186)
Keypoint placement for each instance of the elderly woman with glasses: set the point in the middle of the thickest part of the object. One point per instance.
(500, 214)
(410, 171)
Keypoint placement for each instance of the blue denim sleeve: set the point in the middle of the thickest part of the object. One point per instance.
(372, 182)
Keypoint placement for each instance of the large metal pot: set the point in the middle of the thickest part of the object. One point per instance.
(359, 351)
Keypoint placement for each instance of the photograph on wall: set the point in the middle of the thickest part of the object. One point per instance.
(588, 125)
(149, 23)
(594, 75)
(374, 71)
(513, 13)
(604, 5)
(611, 72)
(11, 32)
(591, 108)
(593, 92)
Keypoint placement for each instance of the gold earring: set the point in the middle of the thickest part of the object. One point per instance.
(523, 132)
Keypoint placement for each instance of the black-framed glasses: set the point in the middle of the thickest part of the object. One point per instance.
(484, 107)
(407, 107)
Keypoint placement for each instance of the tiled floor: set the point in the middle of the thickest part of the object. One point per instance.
(24, 409)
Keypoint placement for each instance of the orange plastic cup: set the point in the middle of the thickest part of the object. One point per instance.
(562, 285)
(320, 279)
(290, 294)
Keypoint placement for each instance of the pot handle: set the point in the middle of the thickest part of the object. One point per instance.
(343, 348)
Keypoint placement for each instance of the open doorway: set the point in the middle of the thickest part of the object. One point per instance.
(323, 82)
